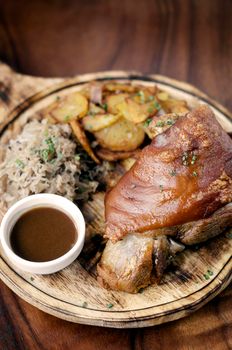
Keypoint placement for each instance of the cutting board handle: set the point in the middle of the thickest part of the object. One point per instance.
(15, 88)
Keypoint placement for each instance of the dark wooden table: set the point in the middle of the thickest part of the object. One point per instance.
(186, 40)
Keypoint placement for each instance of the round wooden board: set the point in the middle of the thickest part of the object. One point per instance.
(74, 294)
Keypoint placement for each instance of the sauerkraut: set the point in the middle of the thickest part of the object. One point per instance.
(44, 158)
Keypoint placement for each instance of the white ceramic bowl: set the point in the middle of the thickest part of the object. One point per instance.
(35, 201)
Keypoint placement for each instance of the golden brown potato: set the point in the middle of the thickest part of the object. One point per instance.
(99, 121)
(81, 137)
(113, 86)
(67, 108)
(128, 163)
(121, 136)
(113, 101)
(162, 96)
(132, 111)
(172, 105)
(137, 112)
(85, 91)
(94, 109)
(142, 96)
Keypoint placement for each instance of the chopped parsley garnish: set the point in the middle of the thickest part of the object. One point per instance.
(160, 124)
(57, 98)
(32, 278)
(141, 95)
(44, 154)
(170, 122)
(47, 154)
(173, 172)
(151, 98)
(104, 106)
(206, 277)
(20, 164)
(195, 173)
(185, 159)
(161, 188)
(147, 122)
(109, 306)
(150, 109)
(157, 105)
(208, 274)
(66, 118)
(84, 304)
(189, 158)
(77, 157)
(153, 107)
(194, 158)
(50, 143)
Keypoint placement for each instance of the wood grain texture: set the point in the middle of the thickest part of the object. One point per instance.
(187, 40)
(25, 327)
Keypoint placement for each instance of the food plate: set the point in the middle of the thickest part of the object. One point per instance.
(74, 294)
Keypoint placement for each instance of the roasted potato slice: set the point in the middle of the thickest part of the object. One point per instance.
(99, 121)
(132, 111)
(143, 95)
(113, 86)
(113, 101)
(172, 105)
(94, 109)
(128, 163)
(135, 112)
(85, 91)
(162, 96)
(121, 136)
(67, 108)
(81, 137)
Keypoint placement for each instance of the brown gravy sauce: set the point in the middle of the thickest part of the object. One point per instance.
(43, 234)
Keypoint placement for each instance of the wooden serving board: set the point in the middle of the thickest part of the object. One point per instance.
(74, 294)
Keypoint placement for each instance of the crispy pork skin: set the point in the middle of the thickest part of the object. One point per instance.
(184, 175)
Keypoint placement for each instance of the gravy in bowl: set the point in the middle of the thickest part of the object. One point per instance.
(43, 234)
